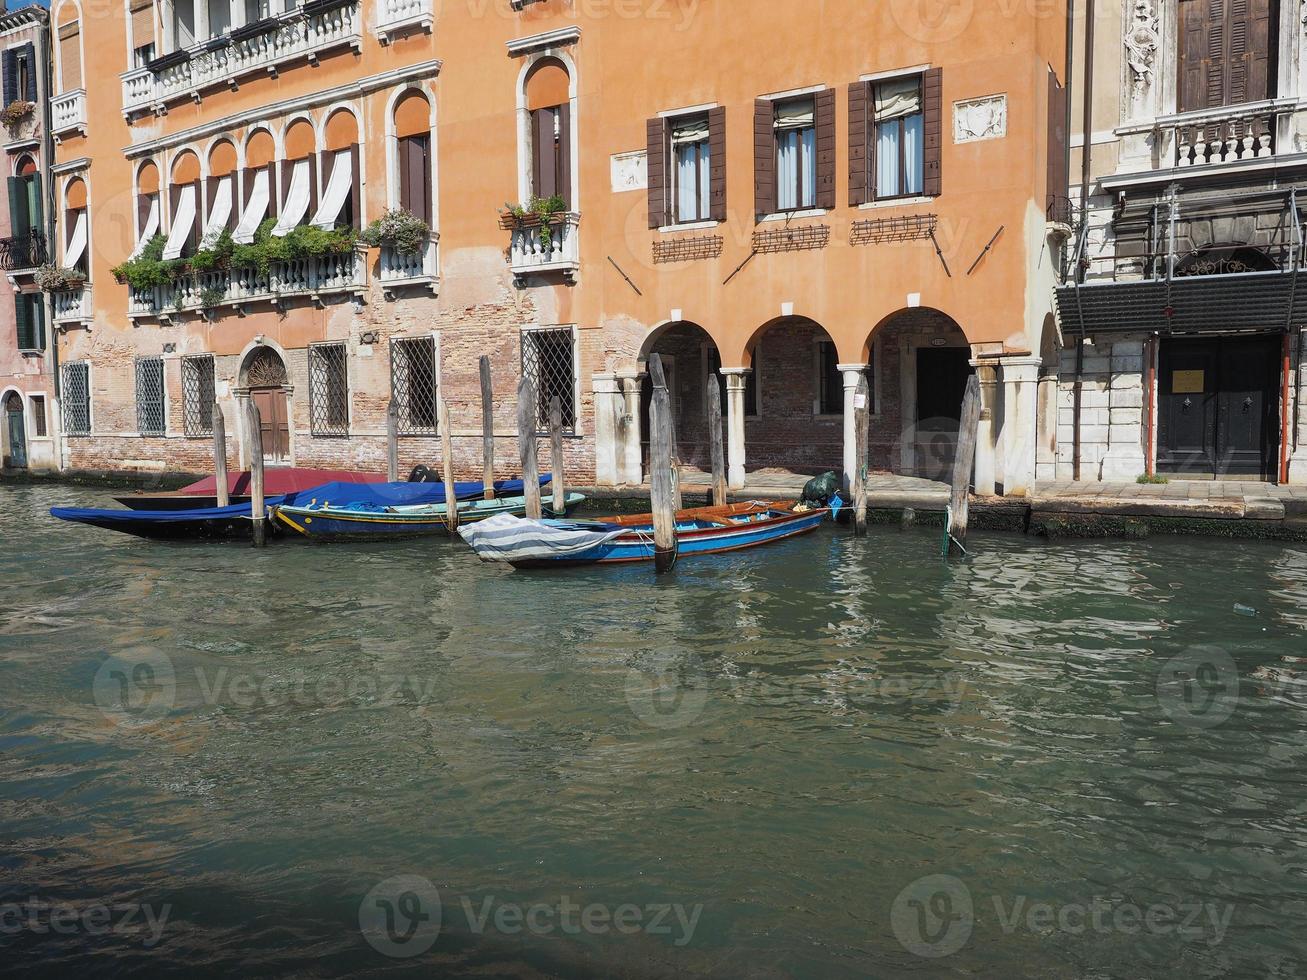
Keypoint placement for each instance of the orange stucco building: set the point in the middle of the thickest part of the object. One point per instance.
(777, 200)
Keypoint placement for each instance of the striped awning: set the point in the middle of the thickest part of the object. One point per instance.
(1233, 303)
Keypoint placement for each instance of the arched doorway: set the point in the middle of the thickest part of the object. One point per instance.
(16, 457)
(263, 375)
(921, 363)
(690, 358)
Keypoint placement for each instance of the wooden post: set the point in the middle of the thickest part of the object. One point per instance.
(962, 466)
(861, 425)
(659, 380)
(447, 454)
(392, 442)
(487, 429)
(526, 445)
(258, 513)
(220, 457)
(662, 488)
(557, 489)
(715, 441)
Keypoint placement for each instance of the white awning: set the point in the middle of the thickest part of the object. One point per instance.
(150, 228)
(689, 130)
(256, 209)
(183, 223)
(296, 204)
(220, 211)
(898, 98)
(338, 188)
(798, 114)
(77, 243)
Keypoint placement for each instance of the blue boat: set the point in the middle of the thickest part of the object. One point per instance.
(326, 522)
(216, 523)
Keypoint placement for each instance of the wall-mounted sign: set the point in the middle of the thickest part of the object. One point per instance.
(1188, 382)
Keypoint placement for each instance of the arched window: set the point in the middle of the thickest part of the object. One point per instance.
(340, 207)
(183, 203)
(28, 218)
(220, 190)
(257, 198)
(76, 230)
(298, 177)
(549, 109)
(68, 48)
(412, 125)
(149, 216)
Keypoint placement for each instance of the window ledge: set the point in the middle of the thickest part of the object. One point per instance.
(689, 226)
(786, 215)
(895, 202)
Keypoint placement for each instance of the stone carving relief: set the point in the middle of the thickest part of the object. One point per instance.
(629, 171)
(1142, 43)
(980, 119)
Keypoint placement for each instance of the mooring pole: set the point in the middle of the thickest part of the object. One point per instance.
(557, 489)
(392, 442)
(487, 429)
(447, 454)
(662, 481)
(220, 457)
(959, 502)
(861, 424)
(526, 445)
(715, 442)
(258, 513)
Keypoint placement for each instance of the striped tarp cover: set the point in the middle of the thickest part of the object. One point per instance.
(508, 538)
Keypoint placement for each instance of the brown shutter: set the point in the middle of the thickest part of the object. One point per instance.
(717, 163)
(1058, 176)
(564, 178)
(1224, 53)
(544, 168)
(932, 103)
(858, 93)
(824, 117)
(655, 133)
(764, 157)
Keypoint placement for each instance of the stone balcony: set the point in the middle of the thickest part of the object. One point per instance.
(314, 278)
(1205, 141)
(395, 17)
(397, 271)
(72, 306)
(262, 48)
(533, 252)
(68, 113)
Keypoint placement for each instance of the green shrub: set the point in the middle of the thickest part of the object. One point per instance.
(401, 230)
(56, 279)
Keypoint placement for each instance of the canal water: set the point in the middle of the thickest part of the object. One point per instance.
(828, 758)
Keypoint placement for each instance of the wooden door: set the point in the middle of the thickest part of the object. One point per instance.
(1226, 52)
(1187, 384)
(17, 440)
(1247, 416)
(274, 424)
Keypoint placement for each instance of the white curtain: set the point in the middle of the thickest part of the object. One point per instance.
(808, 164)
(339, 185)
(183, 223)
(887, 159)
(787, 171)
(255, 209)
(899, 137)
(150, 228)
(796, 155)
(296, 204)
(913, 142)
(898, 98)
(77, 241)
(219, 212)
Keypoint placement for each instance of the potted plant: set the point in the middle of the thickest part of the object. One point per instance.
(400, 230)
(58, 279)
(16, 111)
(539, 212)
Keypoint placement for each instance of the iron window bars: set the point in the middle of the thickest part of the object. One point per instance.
(197, 395)
(549, 360)
(149, 396)
(77, 398)
(414, 385)
(328, 391)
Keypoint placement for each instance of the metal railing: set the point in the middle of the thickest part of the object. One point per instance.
(23, 251)
(300, 33)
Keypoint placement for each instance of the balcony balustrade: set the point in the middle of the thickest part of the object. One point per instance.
(23, 252)
(422, 269)
(395, 16)
(72, 306)
(68, 113)
(260, 48)
(532, 251)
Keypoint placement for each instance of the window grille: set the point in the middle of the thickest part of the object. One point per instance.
(328, 390)
(197, 395)
(77, 398)
(413, 384)
(149, 396)
(549, 359)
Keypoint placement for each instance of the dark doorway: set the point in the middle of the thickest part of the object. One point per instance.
(942, 374)
(14, 422)
(1218, 409)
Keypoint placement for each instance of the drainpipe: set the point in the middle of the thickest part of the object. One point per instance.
(1086, 163)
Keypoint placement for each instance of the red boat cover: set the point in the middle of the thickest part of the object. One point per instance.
(278, 480)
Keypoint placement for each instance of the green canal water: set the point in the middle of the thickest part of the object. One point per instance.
(825, 759)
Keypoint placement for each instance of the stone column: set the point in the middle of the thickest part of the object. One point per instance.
(200, 11)
(632, 463)
(1020, 404)
(987, 374)
(610, 451)
(852, 374)
(736, 380)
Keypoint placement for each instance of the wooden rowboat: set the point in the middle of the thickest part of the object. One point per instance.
(699, 531)
(323, 522)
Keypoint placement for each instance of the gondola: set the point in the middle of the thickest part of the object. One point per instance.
(331, 523)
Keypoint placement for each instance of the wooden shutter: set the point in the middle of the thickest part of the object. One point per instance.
(1224, 53)
(655, 132)
(414, 176)
(23, 321)
(29, 50)
(764, 157)
(18, 207)
(10, 75)
(717, 163)
(38, 321)
(824, 117)
(1059, 176)
(932, 104)
(563, 187)
(143, 210)
(858, 101)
